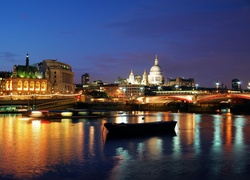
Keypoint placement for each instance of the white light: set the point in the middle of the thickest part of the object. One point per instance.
(36, 114)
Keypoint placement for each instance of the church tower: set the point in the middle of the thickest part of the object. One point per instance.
(144, 78)
(131, 78)
(27, 61)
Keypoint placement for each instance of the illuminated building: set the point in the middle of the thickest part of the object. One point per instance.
(144, 80)
(60, 76)
(248, 86)
(131, 91)
(112, 90)
(43, 78)
(155, 76)
(131, 78)
(3, 76)
(134, 85)
(26, 80)
(181, 82)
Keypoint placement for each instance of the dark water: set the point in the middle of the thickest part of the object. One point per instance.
(205, 147)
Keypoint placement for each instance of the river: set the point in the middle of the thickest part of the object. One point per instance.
(206, 146)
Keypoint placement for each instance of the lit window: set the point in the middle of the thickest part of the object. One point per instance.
(26, 86)
(32, 85)
(19, 85)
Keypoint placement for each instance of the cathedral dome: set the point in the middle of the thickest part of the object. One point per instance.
(155, 75)
(155, 69)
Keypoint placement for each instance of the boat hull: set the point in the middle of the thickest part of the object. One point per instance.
(123, 129)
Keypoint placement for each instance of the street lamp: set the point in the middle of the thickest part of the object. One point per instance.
(176, 87)
(239, 85)
(217, 85)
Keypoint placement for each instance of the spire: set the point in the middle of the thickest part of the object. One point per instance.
(156, 60)
(131, 78)
(27, 60)
(144, 78)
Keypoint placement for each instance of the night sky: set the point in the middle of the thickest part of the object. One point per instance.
(208, 40)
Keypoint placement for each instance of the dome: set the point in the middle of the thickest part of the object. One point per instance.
(155, 75)
(155, 69)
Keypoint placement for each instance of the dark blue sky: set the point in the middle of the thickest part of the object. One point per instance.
(208, 40)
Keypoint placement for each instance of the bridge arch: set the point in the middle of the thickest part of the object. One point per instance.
(223, 96)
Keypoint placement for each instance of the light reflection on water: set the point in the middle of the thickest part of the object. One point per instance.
(210, 146)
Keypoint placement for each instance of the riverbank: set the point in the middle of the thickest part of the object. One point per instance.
(210, 108)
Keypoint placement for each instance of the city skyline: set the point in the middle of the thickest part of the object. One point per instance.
(208, 41)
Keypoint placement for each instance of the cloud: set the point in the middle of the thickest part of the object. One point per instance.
(8, 56)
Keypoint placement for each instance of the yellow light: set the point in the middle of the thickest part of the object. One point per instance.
(66, 113)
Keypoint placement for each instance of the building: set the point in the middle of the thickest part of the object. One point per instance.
(112, 90)
(131, 91)
(181, 82)
(144, 80)
(60, 76)
(155, 76)
(3, 76)
(85, 79)
(26, 80)
(248, 85)
(134, 85)
(236, 85)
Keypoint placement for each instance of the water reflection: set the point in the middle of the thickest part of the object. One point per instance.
(217, 139)
(34, 147)
(132, 150)
(215, 145)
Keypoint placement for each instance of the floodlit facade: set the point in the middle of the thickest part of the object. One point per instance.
(131, 91)
(26, 80)
(43, 78)
(60, 76)
(181, 82)
(155, 76)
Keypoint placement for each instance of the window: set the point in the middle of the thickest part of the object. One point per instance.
(19, 85)
(25, 86)
(37, 86)
(32, 85)
(43, 86)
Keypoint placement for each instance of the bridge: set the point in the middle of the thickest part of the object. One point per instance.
(172, 96)
(195, 98)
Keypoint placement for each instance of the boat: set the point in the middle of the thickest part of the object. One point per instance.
(147, 128)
